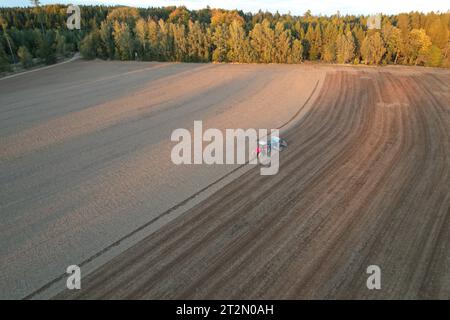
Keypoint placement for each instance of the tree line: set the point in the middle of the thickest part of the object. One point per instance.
(215, 35)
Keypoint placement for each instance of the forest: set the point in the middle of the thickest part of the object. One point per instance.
(39, 35)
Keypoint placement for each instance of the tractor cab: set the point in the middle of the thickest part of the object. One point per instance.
(275, 143)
